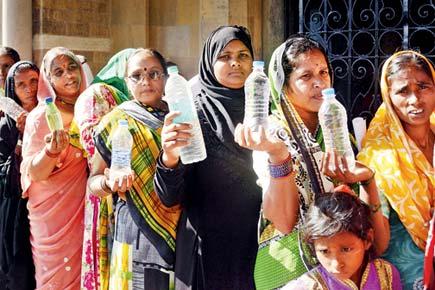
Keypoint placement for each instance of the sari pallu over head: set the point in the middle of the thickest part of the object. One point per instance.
(403, 175)
(56, 204)
(107, 91)
(36, 123)
(282, 258)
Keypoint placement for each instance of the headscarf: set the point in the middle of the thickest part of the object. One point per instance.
(10, 82)
(36, 123)
(404, 175)
(45, 88)
(222, 107)
(285, 112)
(114, 71)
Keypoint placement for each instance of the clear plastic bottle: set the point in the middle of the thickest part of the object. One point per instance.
(257, 93)
(333, 120)
(10, 107)
(179, 98)
(52, 113)
(122, 143)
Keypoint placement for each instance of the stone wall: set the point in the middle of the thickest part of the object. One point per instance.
(98, 29)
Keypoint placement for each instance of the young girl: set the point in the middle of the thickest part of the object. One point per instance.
(339, 232)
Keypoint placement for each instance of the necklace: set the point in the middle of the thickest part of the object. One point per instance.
(63, 102)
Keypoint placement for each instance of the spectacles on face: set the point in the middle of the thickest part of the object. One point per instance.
(152, 75)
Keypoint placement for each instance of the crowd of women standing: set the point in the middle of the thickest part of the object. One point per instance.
(241, 218)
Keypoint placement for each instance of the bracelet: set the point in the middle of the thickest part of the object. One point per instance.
(283, 169)
(49, 154)
(104, 186)
(374, 207)
(369, 180)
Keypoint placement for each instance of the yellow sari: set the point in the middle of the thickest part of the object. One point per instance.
(404, 175)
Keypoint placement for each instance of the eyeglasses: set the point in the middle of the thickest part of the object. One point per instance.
(153, 75)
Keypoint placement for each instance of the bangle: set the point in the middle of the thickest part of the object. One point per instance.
(49, 154)
(283, 169)
(104, 186)
(374, 207)
(369, 180)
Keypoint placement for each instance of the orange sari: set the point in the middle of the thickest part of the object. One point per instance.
(56, 205)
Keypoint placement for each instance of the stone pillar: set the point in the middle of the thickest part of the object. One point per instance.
(17, 26)
(273, 27)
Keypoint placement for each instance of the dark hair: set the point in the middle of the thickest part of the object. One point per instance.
(150, 52)
(9, 51)
(297, 45)
(405, 60)
(335, 212)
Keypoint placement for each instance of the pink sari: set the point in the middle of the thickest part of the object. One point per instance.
(55, 205)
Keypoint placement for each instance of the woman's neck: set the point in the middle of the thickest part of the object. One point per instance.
(65, 103)
(310, 119)
(423, 137)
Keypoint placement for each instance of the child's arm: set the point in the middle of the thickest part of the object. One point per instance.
(369, 194)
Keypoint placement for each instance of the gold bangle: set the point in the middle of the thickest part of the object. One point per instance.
(374, 208)
(369, 180)
(104, 186)
(49, 154)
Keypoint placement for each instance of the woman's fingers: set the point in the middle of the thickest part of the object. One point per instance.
(169, 118)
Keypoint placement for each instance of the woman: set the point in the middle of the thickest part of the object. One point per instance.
(144, 240)
(289, 160)
(399, 145)
(217, 233)
(8, 56)
(108, 91)
(15, 251)
(54, 174)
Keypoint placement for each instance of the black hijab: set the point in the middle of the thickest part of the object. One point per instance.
(10, 82)
(221, 106)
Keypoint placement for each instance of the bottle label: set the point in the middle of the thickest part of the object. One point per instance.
(121, 158)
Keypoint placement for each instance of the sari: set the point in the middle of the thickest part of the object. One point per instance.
(378, 275)
(146, 219)
(282, 258)
(107, 91)
(55, 205)
(406, 180)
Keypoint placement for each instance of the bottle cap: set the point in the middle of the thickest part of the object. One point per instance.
(123, 122)
(258, 63)
(48, 100)
(173, 69)
(330, 92)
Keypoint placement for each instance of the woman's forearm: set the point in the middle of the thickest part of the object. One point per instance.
(42, 166)
(98, 186)
(281, 203)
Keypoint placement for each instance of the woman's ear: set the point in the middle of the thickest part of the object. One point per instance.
(370, 238)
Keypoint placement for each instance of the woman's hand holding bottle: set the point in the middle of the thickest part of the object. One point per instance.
(261, 141)
(174, 136)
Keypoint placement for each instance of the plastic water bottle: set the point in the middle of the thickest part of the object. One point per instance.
(179, 98)
(52, 113)
(10, 107)
(333, 120)
(122, 142)
(257, 93)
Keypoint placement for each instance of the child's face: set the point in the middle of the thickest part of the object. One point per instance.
(342, 255)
